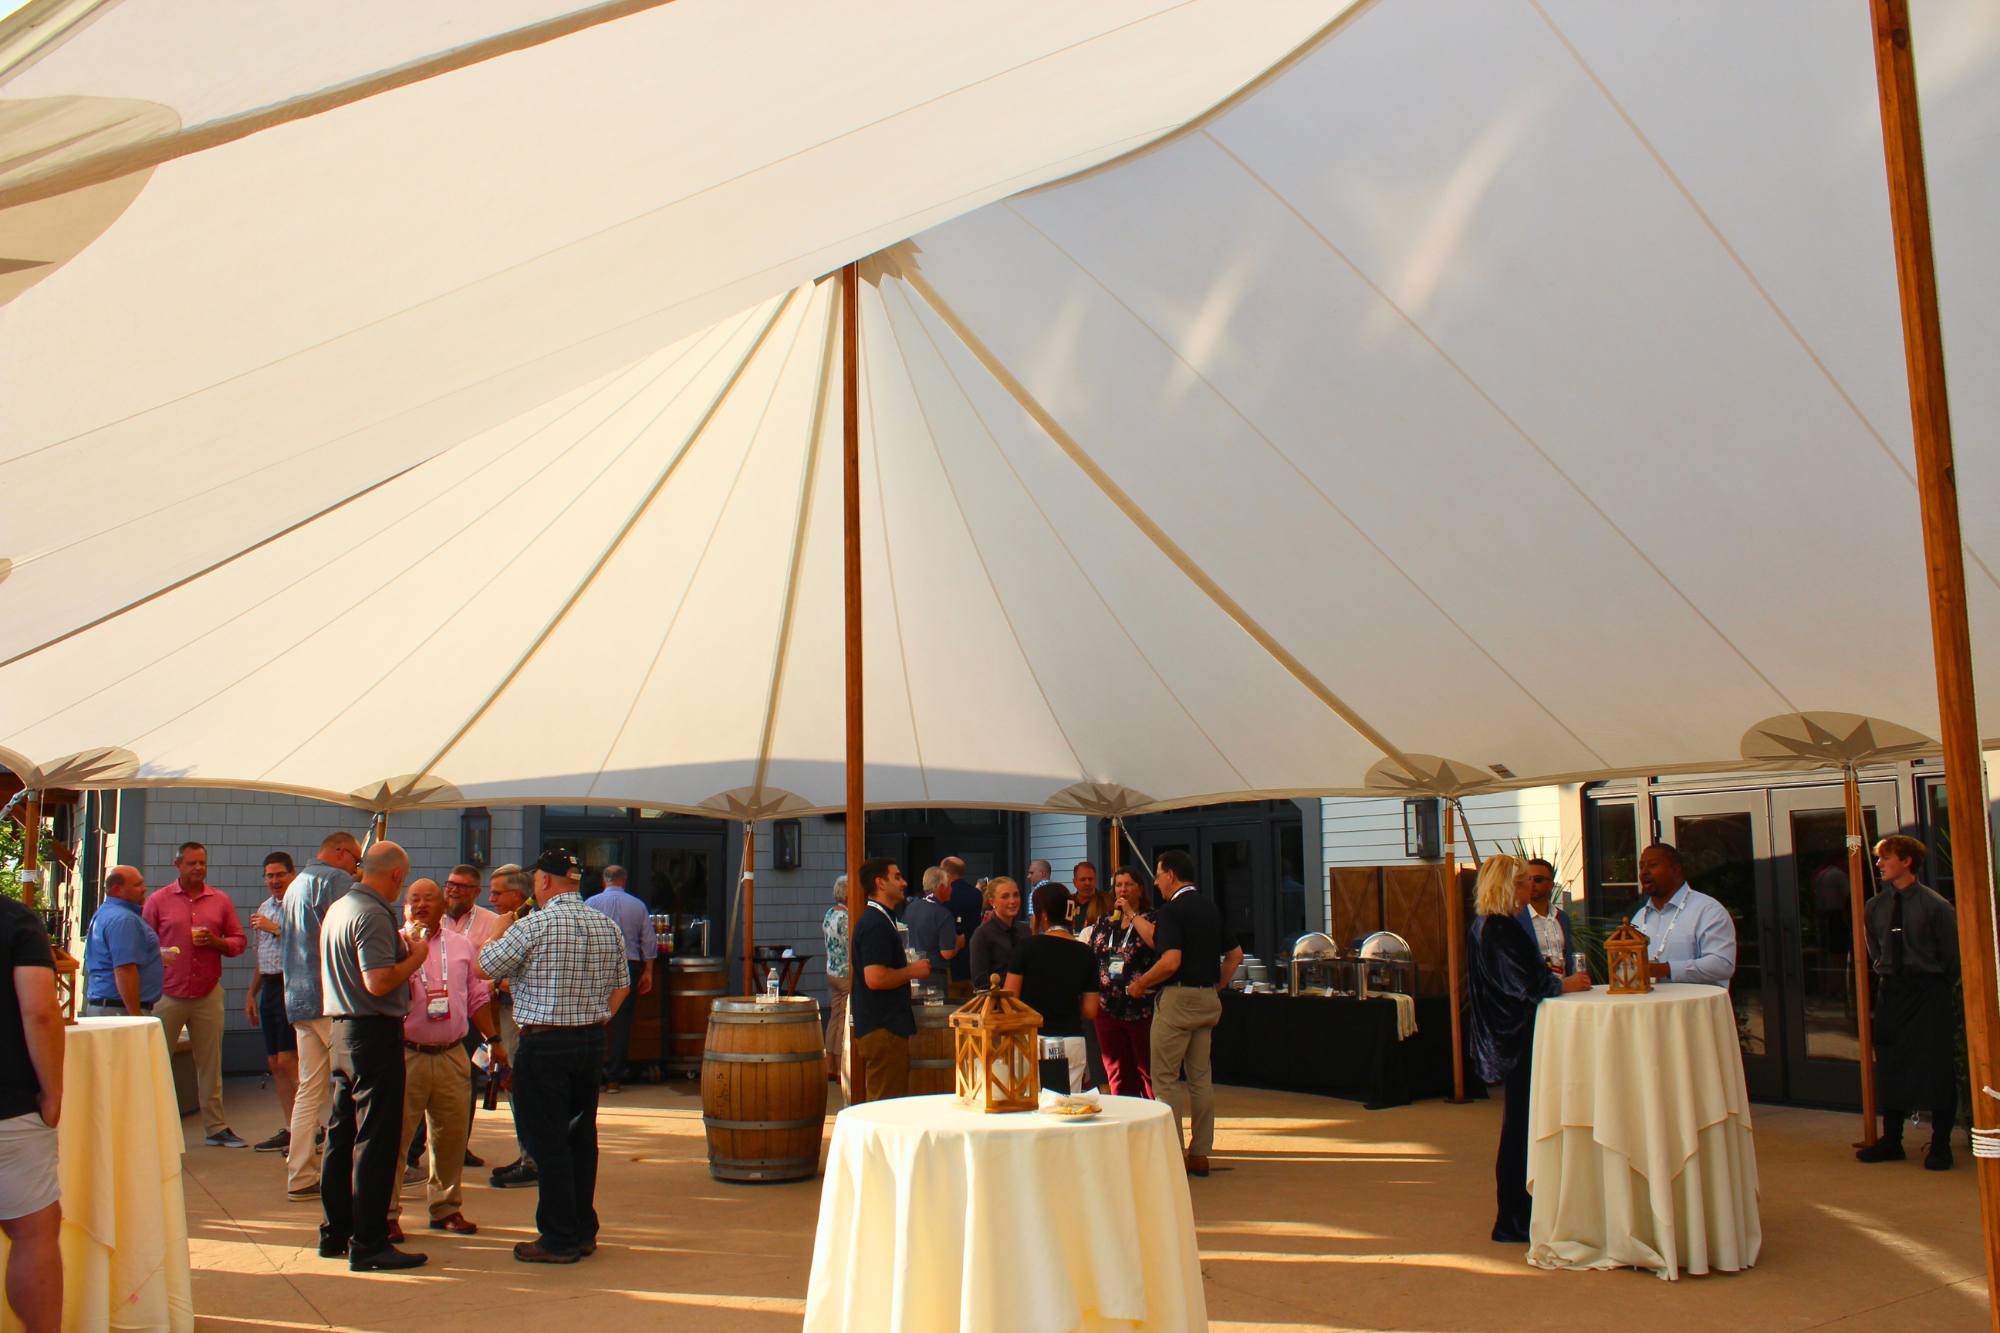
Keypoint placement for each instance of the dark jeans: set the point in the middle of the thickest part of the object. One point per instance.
(555, 1103)
(621, 1027)
(359, 1173)
(1510, 1168)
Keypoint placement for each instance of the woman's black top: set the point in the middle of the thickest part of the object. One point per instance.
(1509, 978)
(993, 947)
(1056, 973)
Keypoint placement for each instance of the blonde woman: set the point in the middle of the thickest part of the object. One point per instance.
(1509, 979)
(994, 943)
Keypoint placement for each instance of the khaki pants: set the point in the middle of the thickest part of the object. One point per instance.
(315, 1037)
(838, 989)
(437, 1088)
(202, 1017)
(1183, 1022)
(885, 1065)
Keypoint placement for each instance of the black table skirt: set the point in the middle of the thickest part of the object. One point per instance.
(1337, 1046)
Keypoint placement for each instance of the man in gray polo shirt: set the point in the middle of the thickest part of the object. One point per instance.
(365, 968)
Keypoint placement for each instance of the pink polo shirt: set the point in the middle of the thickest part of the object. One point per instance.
(479, 924)
(450, 960)
(173, 914)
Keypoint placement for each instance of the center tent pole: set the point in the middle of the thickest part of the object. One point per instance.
(850, 515)
(1454, 962)
(749, 907)
(1944, 566)
(1857, 881)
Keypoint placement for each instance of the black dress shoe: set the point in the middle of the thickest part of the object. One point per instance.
(332, 1249)
(388, 1258)
(1510, 1235)
(1882, 1150)
(473, 1159)
(1938, 1158)
(521, 1173)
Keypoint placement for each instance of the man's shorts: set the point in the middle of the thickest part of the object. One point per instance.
(278, 1034)
(27, 1166)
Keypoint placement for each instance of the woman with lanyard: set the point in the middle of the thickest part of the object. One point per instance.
(1124, 1025)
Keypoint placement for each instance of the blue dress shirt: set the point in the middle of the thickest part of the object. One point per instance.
(1693, 935)
(318, 887)
(634, 920)
(120, 936)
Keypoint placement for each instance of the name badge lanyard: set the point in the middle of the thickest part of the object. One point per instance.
(1661, 956)
(438, 1002)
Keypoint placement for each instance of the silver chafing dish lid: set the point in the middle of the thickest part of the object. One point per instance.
(1314, 948)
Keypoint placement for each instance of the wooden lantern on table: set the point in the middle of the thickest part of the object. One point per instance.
(1625, 960)
(998, 1059)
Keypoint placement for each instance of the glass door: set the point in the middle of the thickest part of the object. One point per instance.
(1724, 841)
(1816, 936)
(681, 874)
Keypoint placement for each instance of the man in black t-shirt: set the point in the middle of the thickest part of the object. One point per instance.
(31, 1090)
(1194, 966)
(884, 1022)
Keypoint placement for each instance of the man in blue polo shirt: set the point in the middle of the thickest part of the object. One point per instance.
(123, 971)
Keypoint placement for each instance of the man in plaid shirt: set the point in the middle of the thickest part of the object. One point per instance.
(565, 965)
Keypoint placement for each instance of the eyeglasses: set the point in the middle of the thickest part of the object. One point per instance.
(1541, 879)
(461, 884)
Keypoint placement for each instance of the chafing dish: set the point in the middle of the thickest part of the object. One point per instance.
(1383, 966)
(1317, 967)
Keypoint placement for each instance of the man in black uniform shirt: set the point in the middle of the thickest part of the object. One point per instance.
(31, 1094)
(1913, 947)
(880, 1005)
(1193, 968)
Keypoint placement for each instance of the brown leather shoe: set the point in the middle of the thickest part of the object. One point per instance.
(396, 1236)
(528, 1252)
(455, 1222)
(1197, 1166)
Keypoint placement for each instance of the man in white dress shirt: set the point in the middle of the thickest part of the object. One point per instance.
(1690, 935)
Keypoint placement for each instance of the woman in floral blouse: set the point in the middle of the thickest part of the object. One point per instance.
(1124, 1025)
(833, 931)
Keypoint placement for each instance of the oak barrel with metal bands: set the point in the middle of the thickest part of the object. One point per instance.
(932, 1053)
(693, 984)
(763, 1089)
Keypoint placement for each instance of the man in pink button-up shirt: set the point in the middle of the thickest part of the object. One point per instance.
(198, 928)
(448, 998)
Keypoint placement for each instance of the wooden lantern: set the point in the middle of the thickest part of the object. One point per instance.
(997, 1052)
(1625, 960)
(68, 973)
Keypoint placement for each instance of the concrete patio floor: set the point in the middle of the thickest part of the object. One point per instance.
(1319, 1215)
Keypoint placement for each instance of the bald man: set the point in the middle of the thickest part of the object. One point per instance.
(365, 970)
(122, 968)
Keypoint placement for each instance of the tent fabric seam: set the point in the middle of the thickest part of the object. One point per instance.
(1285, 457)
(1059, 434)
(801, 532)
(992, 439)
(1513, 425)
(695, 435)
(1743, 266)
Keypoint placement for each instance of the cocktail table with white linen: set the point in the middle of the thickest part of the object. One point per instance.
(936, 1216)
(118, 1146)
(1640, 1152)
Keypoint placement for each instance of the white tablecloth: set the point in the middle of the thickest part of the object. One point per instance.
(124, 1233)
(1639, 1145)
(937, 1217)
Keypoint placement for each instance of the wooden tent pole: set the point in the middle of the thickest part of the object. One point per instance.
(1857, 881)
(749, 907)
(1944, 560)
(850, 513)
(31, 851)
(1454, 960)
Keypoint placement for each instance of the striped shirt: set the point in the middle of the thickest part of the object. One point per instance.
(562, 962)
(270, 948)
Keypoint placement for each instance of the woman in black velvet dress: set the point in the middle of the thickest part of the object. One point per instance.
(1509, 979)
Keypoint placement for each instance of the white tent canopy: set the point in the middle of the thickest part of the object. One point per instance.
(1510, 392)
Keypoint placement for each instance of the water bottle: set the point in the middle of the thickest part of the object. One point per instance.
(771, 989)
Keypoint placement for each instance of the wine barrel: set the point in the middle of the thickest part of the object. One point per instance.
(932, 1051)
(693, 984)
(763, 1089)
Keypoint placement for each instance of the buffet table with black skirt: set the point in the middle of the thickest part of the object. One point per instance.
(1335, 1045)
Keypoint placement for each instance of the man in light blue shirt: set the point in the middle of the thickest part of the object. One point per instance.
(1690, 935)
(642, 947)
(123, 971)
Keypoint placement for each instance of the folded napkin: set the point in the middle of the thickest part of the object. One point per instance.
(1088, 1097)
(1406, 1016)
